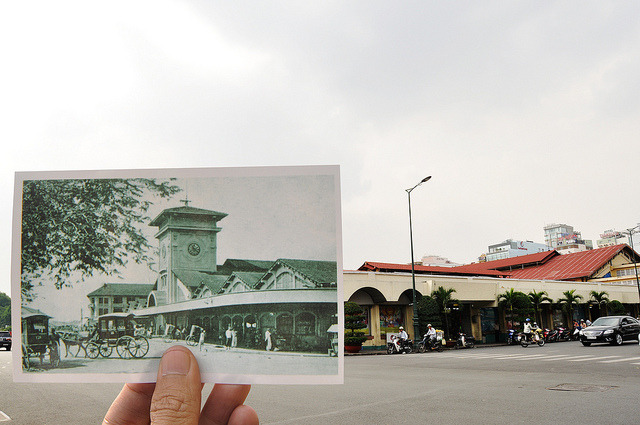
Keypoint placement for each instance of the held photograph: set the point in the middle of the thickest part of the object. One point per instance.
(243, 266)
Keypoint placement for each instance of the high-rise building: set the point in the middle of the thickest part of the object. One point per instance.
(565, 239)
(511, 248)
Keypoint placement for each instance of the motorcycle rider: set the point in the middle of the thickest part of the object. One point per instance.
(527, 329)
(400, 340)
(431, 335)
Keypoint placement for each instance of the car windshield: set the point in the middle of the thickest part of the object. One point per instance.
(3, 333)
(605, 321)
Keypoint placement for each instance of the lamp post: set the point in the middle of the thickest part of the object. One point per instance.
(416, 330)
(635, 263)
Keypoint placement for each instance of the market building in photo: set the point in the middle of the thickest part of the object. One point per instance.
(295, 299)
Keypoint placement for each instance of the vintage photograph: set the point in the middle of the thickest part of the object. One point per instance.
(241, 265)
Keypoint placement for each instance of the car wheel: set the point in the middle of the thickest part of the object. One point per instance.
(617, 339)
(585, 343)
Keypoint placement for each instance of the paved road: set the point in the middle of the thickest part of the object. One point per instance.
(498, 385)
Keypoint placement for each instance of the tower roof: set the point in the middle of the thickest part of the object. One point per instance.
(188, 211)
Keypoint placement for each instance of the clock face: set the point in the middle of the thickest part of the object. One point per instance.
(193, 249)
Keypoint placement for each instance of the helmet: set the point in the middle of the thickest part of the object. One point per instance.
(429, 325)
(401, 328)
(528, 320)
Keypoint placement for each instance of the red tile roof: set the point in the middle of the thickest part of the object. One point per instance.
(393, 267)
(548, 265)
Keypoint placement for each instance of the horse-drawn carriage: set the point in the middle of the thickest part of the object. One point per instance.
(37, 341)
(117, 331)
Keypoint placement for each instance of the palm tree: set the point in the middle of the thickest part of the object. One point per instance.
(537, 298)
(570, 300)
(602, 299)
(443, 297)
(507, 300)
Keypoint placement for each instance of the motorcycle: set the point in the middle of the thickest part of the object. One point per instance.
(512, 337)
(465, 341)
(534, 338)
(399, 346)
(430, 344)
(563, 334)
(551, 335)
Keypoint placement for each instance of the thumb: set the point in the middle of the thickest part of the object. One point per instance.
(176, 399)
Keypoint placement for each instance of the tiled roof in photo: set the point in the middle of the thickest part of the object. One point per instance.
(122, 289)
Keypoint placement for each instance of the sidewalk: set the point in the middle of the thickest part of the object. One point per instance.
(378, 352)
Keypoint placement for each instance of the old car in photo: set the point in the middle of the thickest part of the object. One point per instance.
(117, 331)
(611, 329)
(37, 339)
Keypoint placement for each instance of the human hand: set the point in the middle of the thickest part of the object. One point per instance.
(176, 398)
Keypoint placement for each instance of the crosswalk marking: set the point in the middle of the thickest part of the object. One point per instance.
(621, 360)
(556, 357)
(592, 358)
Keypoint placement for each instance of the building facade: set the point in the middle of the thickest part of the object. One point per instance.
(118, 298)
(295, 299)
(511, 248)
(385, 290)
(565, 239)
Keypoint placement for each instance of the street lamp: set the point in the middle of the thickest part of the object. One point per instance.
(635, 263)
(416, 330)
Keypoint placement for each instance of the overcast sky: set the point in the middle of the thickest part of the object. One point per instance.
(524, 113)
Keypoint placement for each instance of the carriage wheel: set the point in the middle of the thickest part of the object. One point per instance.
(105, 350)
(191, 340)
(93, 350)
(26, 364)
(139, 347)
(122, 347)
(54, 354)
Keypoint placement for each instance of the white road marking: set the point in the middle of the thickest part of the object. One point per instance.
(556, 357)
(593, 358)
(628, 359)
(4, 417)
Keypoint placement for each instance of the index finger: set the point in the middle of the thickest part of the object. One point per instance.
(224, 400)
(131, 407)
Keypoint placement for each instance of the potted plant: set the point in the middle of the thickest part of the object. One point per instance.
(354, 322)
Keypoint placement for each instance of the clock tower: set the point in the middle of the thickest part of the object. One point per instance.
(187, 240)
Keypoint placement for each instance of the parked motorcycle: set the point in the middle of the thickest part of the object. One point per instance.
(430, 344)
(399, 346)
(564, 334)
(465, 341)
(512, 337)
(551, 335)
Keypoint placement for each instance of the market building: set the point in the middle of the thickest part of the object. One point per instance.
(384, 290)
(295, 299)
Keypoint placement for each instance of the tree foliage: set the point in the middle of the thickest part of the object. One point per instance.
(428, 313)
(601, 298)
(537, 299)
(5, 310)
(517, 305)
(84, 226)
(354, 322)
(444, 298)
(569, 302)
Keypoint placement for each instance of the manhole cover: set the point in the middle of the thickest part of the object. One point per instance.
(582, 387)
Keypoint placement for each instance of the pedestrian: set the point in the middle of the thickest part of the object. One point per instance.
(267, 338)
(229, 335)
(201, 340)
(234, 338)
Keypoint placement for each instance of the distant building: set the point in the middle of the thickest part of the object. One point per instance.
(511, 248)
(436, 260)
(611, 237)
(565, 239)
(118, 298)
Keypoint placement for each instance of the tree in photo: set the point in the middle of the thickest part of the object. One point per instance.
(83, 226)
(516, 305)
(428, 313)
